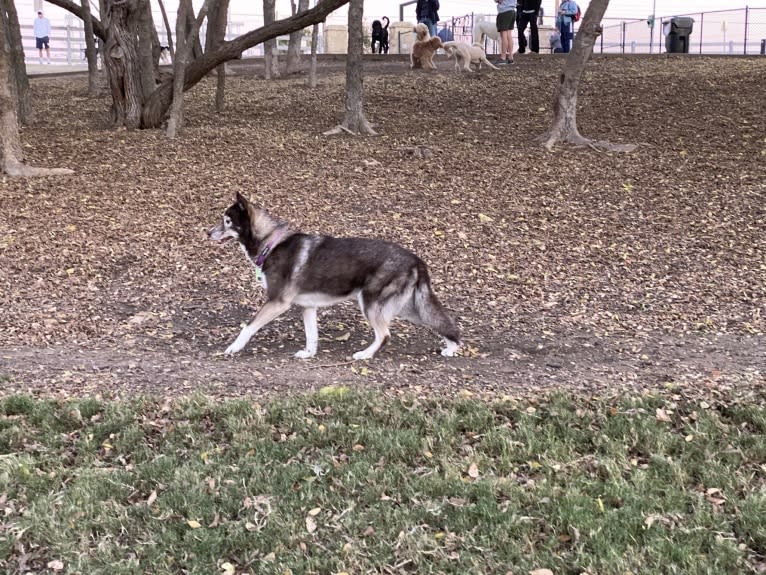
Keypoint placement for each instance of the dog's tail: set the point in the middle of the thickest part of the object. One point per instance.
(450, 48)
(488, 63)
(387, 22)
(428, 310)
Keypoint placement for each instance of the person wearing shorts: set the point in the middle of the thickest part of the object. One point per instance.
(42, 29)
(506, 17)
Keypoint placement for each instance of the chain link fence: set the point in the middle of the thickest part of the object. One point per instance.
(741, 31)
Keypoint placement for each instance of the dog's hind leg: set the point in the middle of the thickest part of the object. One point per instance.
(432, 315)
(426, 309)
(382, 335)
(312, 333)
(270, 310)
(379, 314)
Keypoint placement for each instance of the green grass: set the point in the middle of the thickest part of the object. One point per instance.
(357, 483)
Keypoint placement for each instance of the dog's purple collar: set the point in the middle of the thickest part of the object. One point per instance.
(269, 246)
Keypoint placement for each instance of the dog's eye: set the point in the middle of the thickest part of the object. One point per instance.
(227, 221)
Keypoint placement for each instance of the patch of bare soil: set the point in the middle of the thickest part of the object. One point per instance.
(574, 270)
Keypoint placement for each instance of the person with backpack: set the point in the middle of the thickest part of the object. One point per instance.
(427, 12)
(568, 14)
(527, 11)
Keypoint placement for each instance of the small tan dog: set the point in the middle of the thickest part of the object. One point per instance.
(421, 32)
(466, 55)
(424, 48)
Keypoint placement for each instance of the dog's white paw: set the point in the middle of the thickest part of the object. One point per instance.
(451, 349)
(305, 354)
(364, 354)
(233, 348)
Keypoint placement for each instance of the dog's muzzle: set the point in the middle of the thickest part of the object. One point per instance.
(217, 234)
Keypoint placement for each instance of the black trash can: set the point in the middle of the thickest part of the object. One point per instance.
(677, 39)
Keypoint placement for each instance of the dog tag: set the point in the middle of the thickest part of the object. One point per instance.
(259, 274)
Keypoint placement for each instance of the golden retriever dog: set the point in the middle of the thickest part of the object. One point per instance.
(421, 32)
(466, 55)
(424, 48)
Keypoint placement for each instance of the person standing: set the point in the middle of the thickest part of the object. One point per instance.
(427, 12)
(528, 10)
(42, 30)
(567, 12)
(506, 17)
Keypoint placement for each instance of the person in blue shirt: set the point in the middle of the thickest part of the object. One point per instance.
(506, 18)
(427, 12)
(567, 11)
(42, 30)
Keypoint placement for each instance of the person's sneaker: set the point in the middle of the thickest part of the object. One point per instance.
(41, 60)
(501, 62)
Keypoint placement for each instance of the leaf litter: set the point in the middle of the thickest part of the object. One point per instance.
(574, 269)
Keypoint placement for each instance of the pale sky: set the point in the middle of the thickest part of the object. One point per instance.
(249, 11)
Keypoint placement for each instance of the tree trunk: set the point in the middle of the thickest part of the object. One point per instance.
(294, 46)
(196, 45)
(168, 31)
(11, 157)
(185, 46)
(270, 58)
(18, 68)
(313, 67)
(122, 63)
(217, 21)
(175, 121)
(90, 49)
(147, 40)
(564, 126)
(354, 121)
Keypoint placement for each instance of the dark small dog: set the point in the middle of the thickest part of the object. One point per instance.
(380, 36)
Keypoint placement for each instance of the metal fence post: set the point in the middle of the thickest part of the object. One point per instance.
(702, 22)
(659, 36)
(624, 34)
(747, 10)
(68, 44)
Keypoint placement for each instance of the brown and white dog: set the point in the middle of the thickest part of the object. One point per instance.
(424, 48)
(466, 55)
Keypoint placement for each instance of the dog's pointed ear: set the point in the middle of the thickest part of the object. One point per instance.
(241, 201)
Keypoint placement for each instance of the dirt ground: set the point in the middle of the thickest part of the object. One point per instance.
(576, 269)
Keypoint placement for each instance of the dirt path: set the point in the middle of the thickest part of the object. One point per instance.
(575, 362)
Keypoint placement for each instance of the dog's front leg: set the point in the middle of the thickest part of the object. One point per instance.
(312, 333)
(268, 312)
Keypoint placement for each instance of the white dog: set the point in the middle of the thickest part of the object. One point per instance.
(483, 28)
(466, 55)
